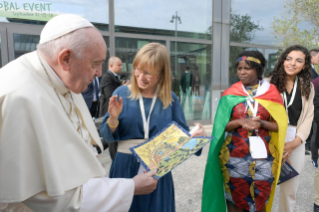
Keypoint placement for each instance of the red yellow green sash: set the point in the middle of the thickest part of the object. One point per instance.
(213, 189)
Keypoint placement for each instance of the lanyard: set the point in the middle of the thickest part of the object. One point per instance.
(250, 99)
(292, 97)
(255, 108)
(146, 123)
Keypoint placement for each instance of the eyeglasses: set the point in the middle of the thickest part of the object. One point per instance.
(146, 74)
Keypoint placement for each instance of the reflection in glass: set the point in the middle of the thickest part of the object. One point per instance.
(24, 44)
(27, 43)
(96, 11)
(105, 66)
(251, 20)
(0, 53)
(271, 56)
(191, 69)
(154, 18)
(234, 52)
(126, 49)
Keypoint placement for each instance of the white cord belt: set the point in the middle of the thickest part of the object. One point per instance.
(125, 145)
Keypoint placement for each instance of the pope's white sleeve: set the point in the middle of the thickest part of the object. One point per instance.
(98, 194)
(104, 194)
(70, 201)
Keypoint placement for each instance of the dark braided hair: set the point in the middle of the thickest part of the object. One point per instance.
(258, 67)
(279, 76)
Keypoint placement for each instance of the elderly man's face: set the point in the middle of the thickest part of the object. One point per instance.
(83, 71)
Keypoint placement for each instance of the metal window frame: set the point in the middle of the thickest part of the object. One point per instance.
(167, 39)
(15, 28)
(220, 43)
(261, 46)
(4, 44)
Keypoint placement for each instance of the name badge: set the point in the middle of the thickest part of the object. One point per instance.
(291, 133)
(257, 147)
(140, 170)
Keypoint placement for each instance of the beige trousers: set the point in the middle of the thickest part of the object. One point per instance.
(288, 189)
(316, 199)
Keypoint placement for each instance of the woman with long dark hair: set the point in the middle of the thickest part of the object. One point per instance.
(292, 78)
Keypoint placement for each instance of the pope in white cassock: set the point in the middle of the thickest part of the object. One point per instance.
(47, 162)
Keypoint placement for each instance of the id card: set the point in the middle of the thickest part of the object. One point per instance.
(291, 133)
(257, 147)
(141, 169)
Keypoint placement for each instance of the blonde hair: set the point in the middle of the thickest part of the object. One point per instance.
(155, 57)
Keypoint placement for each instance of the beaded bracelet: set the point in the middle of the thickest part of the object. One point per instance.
(112, 126)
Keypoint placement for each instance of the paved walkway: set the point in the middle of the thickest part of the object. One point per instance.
(188, 180)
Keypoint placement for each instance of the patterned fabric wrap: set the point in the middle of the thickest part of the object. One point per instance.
(247, 181)
(229, 164)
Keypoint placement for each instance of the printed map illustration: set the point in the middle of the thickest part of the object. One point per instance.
(168, 149)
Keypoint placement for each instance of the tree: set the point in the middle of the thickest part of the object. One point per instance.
(242, 28)
(289, 28)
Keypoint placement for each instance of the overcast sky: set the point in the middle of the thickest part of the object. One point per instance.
(196, 15)
(262, 11)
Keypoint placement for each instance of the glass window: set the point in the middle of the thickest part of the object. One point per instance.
(126, 49)
(28, 43)
(191, 68)
(24, 44)
(251, 20)
(105, 65)
(188, 18)
(0, 53)
(38, 12)
(234, 52)
(271, 56)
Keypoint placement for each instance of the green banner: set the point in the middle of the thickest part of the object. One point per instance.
(36, 10)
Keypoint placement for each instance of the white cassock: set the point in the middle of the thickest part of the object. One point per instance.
(46, 157)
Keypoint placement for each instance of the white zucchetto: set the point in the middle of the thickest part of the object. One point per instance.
(62, 25)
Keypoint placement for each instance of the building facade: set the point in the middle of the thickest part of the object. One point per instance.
(203, 38)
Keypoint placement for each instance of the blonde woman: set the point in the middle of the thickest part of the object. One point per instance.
(138, 112)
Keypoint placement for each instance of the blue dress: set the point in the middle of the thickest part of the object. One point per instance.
(131, 127)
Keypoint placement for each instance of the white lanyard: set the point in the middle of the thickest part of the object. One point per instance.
(146, 123)
(253, 110)
(257, 146)
(292, 97)
(249, 100)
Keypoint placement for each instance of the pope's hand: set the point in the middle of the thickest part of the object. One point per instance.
(145, 183)
(115, 107)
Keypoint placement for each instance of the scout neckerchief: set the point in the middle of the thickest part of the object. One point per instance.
(256, 144)
(250, 99)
